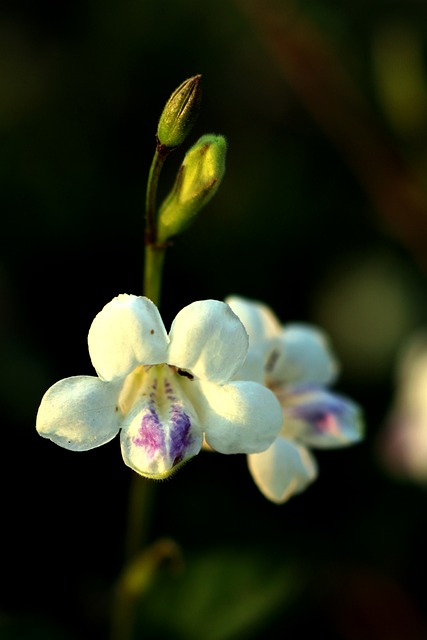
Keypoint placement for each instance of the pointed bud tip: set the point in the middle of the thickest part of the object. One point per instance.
(180, 113)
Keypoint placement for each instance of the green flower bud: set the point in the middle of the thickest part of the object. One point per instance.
(197, 181)
(180, 113)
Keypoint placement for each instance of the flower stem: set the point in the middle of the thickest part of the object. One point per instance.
(141, 489)
(140, 507)
(123, 619)
(153, 270)
(159, 158)
(154, 252)
(123, 614)
(136, 580)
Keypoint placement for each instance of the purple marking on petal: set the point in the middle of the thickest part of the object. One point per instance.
(169, 391)
(151, 434)
(322, 415)
(180, 433)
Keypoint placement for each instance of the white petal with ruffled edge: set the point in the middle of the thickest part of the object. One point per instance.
(127, 332)
(80, 413)
(302, 355)
(283, 470)
(321, 419)
(209, 340)
(240, 417)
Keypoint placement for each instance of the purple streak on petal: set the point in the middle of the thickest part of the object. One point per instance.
(151, 434)
(324, 417)
(180, 433)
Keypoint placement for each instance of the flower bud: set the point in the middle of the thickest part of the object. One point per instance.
(180, 113)
(197, 181)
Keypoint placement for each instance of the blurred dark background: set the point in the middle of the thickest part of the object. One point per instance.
(322, 215)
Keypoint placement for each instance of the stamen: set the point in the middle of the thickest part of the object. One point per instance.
(185, 374)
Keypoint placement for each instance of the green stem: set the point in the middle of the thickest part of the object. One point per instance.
(140, 507)
(154, 253)
(141, 490)
(153, 271)
(159, 158)
(135, 582)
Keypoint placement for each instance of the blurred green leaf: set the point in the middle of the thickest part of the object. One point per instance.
(220, 594)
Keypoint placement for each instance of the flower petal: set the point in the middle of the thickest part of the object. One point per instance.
(253, 367)
(321, 419)
(257, 318)
(262, 326)
(126, 333)
(160, 434)
(79, 413)
(209, 340)
(403, 446)
(240, 417)
(282, 471)
(302, 355)
(403, 441)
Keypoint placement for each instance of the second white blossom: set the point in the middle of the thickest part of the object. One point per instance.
(294, 361)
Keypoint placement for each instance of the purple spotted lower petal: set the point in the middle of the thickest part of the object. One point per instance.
(321, 419)
(163, 431)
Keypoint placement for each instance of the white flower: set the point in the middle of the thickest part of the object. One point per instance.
(164, 393)
(403, 441)
(296, 363)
